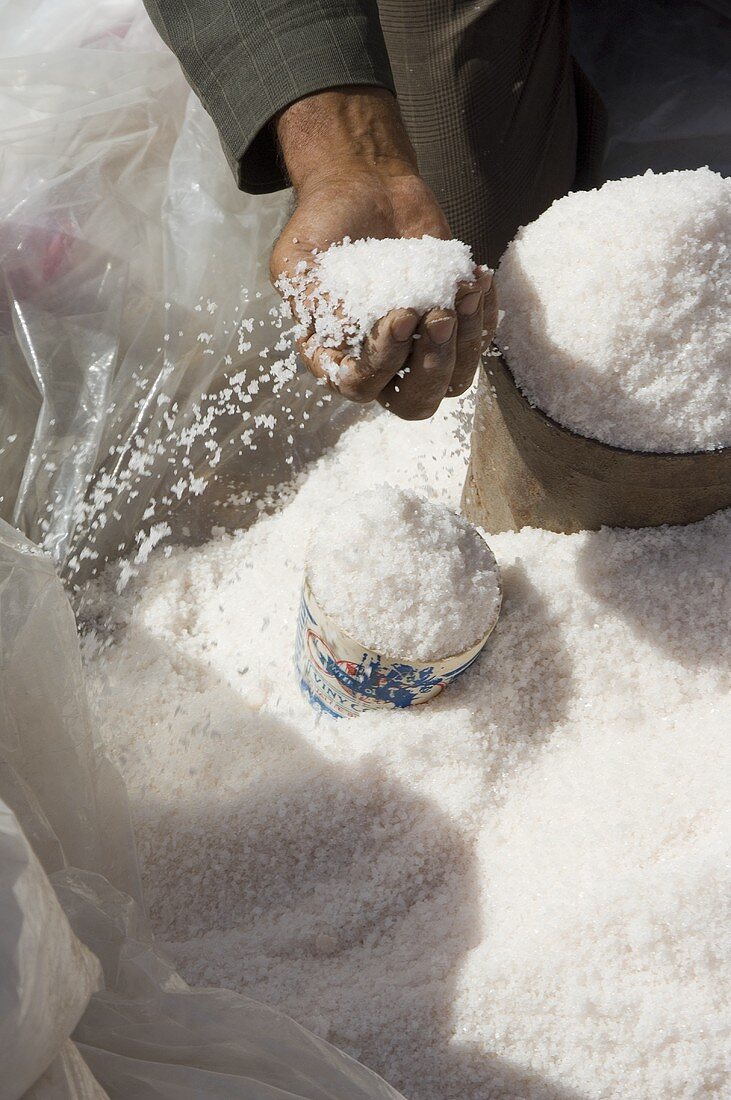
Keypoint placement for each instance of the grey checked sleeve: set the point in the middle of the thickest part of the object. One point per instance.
(249, 59)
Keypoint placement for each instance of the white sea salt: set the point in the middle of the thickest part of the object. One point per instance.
(616, 311)
(518, 890)
(353, 284)
(403, 575)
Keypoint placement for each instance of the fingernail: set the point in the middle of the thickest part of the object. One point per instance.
(440, 331)
(402, 328)
(468, 305)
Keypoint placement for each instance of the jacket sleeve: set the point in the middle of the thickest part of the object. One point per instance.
(248, 59)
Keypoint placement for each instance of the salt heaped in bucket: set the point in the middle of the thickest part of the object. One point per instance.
(629, 341)
(399, 597)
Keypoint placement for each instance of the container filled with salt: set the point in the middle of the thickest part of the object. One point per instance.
(610, 402)
(398, 599)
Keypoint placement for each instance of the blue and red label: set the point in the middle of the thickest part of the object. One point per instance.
(343, 679)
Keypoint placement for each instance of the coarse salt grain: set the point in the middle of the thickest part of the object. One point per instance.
(404, 576)
(616, 311)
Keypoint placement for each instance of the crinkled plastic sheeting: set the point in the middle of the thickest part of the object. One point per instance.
(119, 223)
(76, 956)
(118, 218)
(125, 252)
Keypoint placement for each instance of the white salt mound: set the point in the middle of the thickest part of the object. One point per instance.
(404, 576)
(616, 311)
(361, 281)
(518, 891)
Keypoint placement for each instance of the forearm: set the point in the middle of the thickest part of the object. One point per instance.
(343, 131)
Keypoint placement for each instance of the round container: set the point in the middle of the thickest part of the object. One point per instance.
(527, 470)
(344, 678)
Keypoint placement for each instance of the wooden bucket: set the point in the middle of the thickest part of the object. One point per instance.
(527, 470)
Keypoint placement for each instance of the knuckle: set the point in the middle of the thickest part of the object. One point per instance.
(461, 381)
(356, 385)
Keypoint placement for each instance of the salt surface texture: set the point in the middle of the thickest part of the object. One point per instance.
(617, 318)
(360, 281)
(403, 575)
(520, 890)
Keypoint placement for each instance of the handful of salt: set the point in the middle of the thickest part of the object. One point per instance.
(341, 295)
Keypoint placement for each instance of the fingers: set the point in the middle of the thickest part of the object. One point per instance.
(469, 338)
(470, 305)
(323, 362)
(489, 314)
(385, 352)
(416, 392)
(408, 365)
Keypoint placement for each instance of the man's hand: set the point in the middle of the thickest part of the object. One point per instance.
(354, 173)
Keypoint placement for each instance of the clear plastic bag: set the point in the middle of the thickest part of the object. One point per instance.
(145, 1033)
(122, 240)
(46, 975)
(125, 250)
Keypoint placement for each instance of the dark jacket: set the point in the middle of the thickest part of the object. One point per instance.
(249, 59)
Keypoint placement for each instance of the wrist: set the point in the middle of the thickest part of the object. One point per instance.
(344, 132)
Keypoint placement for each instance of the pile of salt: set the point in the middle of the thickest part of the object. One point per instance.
(404, 576)
(616, 317)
